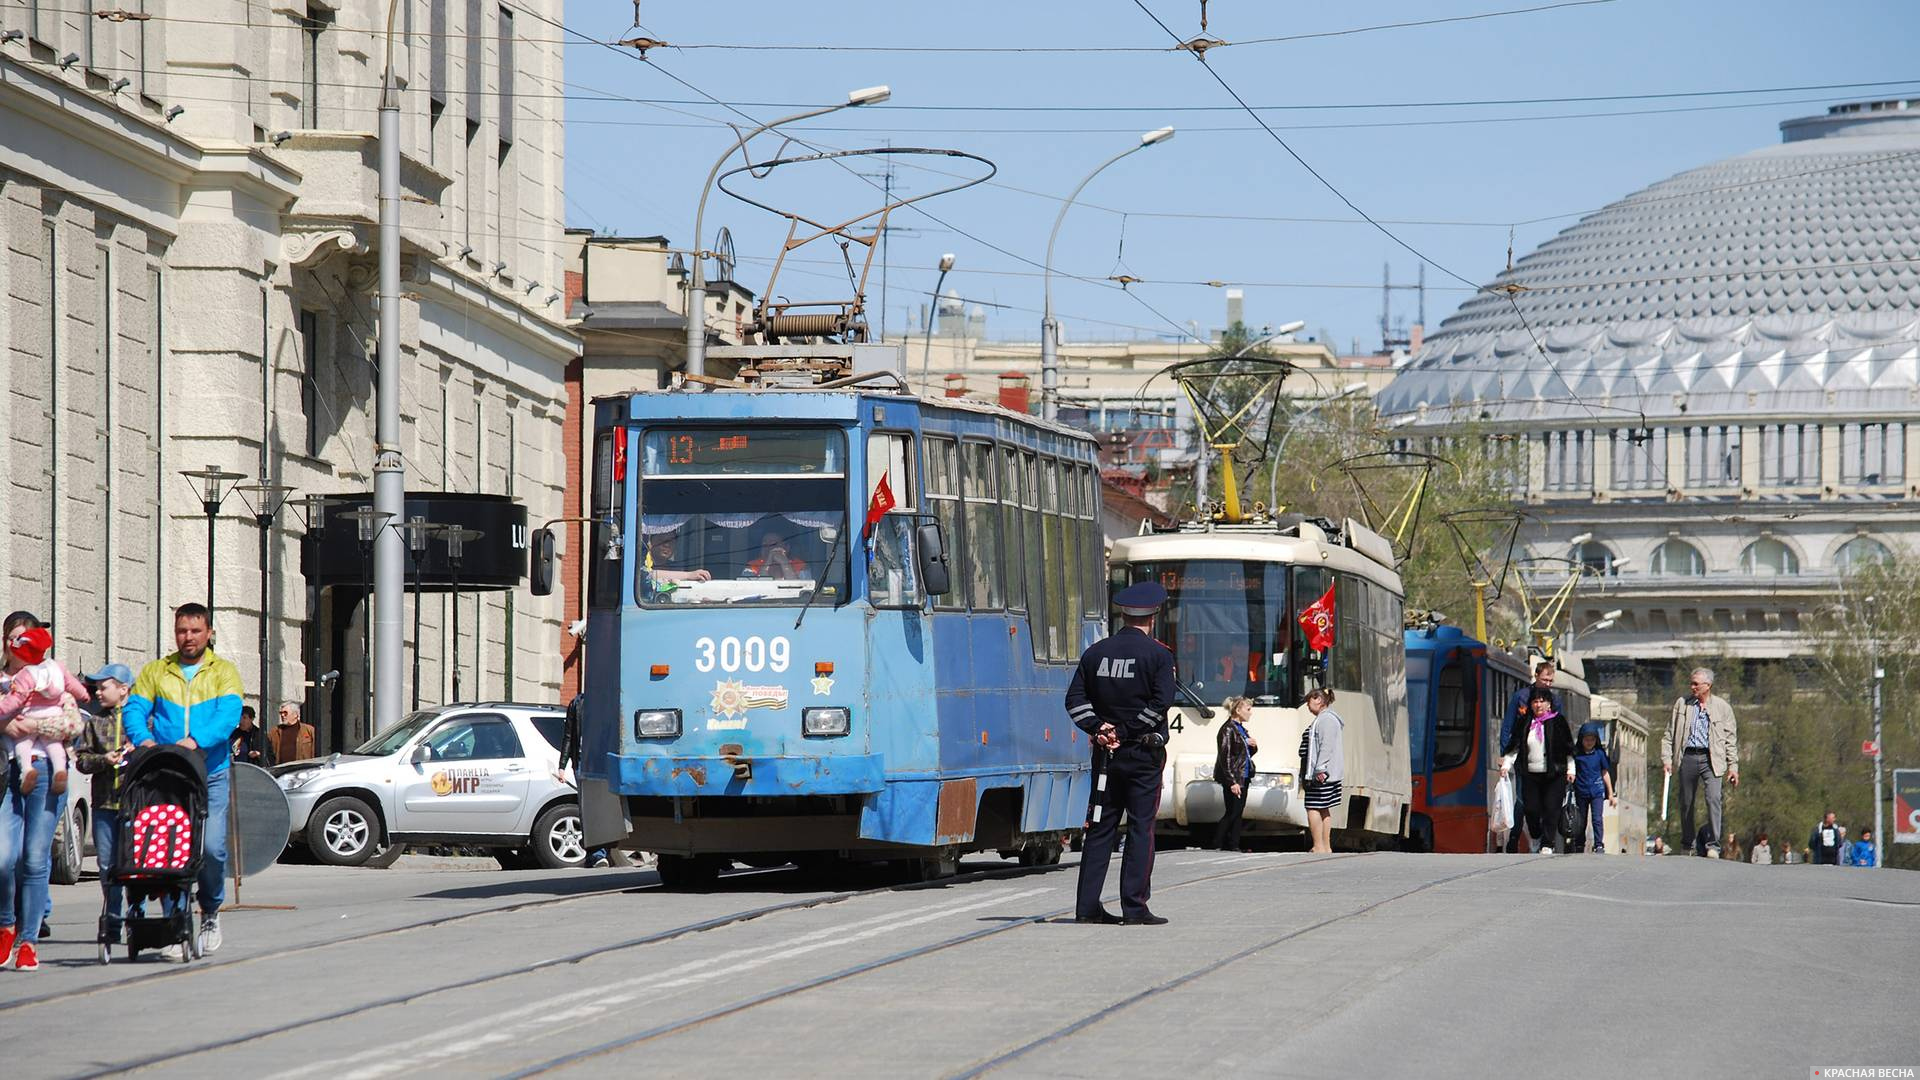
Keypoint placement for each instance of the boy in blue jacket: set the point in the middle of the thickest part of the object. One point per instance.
(1592, 776)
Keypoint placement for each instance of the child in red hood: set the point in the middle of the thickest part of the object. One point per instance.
(42, 696)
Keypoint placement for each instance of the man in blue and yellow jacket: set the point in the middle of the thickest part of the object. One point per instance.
(192, 698)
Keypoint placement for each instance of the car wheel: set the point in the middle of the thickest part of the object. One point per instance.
(69, 847)
(343, 831)
(559, 839)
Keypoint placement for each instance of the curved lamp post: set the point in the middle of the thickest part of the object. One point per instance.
(697, 284)
(1049, 329)
(926, 358)
(216, 484)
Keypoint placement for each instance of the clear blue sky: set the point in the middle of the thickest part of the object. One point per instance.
(636, 169)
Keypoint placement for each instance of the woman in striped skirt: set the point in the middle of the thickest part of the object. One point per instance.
(1321, 759)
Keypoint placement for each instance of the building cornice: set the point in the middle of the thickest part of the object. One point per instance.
(547, 336)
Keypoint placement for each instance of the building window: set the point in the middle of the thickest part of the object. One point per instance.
(1639, 459)
(1872, 455)
(1596, 557)
(1790, 455)
(310, 379)
(506, 70)
(1569, 460)
(1860, 553)
(1677, 557)
(1768, 557)
(1713, 456)
(312, 27)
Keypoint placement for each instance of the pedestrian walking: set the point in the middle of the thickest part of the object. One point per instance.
(1860, 852)
(1763, 851)
(1120, 694)
(1702, 744)
(1322, 766)
(1540, 753)
(100, 751)
(192, 697)
(249, 743)
(27, 822)
(1233, 770)
(1826, 841)
(290, 739)
(1519, 711)
(1592, 785)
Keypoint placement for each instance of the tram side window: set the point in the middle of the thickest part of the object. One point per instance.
(983, 532)
(1094, 573)
(943, 498)
(890, 571)
(1351, 639)
(1453, 718)
(1034, 569)
(1056, 568)
(1072, 559)
(1012, 528)
(1314, 668)
(604, 555)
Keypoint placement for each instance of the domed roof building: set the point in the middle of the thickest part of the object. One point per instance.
(1718, 378)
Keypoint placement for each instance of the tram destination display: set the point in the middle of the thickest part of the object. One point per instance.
(709, 451)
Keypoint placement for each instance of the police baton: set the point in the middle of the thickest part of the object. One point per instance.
(1103, 759)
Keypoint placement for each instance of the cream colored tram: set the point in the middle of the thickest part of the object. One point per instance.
(1235, 595)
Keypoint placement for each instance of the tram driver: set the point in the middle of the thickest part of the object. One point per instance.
(776, 561)
(664, 555)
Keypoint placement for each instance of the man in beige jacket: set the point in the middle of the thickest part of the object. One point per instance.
(1702, 742)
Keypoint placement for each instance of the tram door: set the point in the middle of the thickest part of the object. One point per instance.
(1456, 791)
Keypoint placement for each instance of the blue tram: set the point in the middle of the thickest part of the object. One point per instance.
(834, 622)
(1457, 691)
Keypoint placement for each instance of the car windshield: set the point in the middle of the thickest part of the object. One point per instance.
(391, 740)
(747, 516)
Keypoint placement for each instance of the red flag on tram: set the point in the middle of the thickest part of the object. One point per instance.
(1317, 621)
(877, 509)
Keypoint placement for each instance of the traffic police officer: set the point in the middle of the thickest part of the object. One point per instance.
(1119, 696)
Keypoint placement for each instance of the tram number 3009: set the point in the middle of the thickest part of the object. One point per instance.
(733, 654)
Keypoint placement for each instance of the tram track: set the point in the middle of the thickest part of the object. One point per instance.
(1066, 1031)
(854, 971)
(347, 1012)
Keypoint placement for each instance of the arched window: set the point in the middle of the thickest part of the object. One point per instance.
(1677, 557)
(1769, 557)
(1596, 557)
(1860, 553)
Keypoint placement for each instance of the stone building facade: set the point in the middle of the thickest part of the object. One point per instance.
(188, 209)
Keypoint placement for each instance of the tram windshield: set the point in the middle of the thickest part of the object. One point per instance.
(1231, 626)
(742, 515)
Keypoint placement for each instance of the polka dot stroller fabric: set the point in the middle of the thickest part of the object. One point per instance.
(163, 815)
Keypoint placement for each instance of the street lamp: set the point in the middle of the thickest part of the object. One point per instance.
(456, 537)
(265, 500)
(697, 284)
(1049, 329)
(389, 467)
(368, 525)
(926, 358)
(417, 529)
(216, 484)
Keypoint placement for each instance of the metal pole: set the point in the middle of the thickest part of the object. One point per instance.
(926, 357)
(454, 571)
(697, 282)
(389, 468)
(416, 631)
(260, 692)
(366, 638)
(1879, 676)
(212, 509)
(1049, 327)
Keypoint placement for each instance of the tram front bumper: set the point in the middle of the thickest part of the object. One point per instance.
(744, 774)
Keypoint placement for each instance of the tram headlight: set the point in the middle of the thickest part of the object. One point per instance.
(826, 721)
(656, 723)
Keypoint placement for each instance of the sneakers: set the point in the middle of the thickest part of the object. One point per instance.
(600, 860)
(209, 934)
(25, 958)
(173, 952)
(8, 934)
(1546, 849)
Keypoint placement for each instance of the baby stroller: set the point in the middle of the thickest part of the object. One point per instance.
(157, 850)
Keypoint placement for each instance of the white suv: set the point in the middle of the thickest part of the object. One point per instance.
(482, 775)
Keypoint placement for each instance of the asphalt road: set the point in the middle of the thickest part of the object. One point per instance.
(1274, 965)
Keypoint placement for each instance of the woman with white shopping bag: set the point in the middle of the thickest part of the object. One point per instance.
(1500, 819)
(1540, 754)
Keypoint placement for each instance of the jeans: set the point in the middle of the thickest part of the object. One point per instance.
(1591, 806)
(26, 854)
(106, 827)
